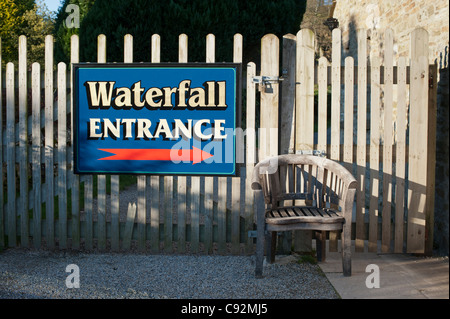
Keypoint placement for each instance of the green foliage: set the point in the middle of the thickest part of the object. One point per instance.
(307, 258)
(62, 33)
(38, 25)
(196, 18)
(12, 22)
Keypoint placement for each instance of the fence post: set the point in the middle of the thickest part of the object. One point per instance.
(287, 132)
(418, 142)
(251, 151)
(287, 120)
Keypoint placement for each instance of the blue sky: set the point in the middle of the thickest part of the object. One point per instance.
(53, 5)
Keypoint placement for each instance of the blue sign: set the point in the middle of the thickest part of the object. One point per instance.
(170, 119)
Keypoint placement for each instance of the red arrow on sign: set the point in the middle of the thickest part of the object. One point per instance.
(195, 155)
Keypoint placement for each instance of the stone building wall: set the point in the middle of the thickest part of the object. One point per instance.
(402, 17)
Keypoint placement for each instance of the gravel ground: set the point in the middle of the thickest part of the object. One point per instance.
(41, 274)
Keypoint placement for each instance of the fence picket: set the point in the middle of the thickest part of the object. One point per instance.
(400, 155)
(209, 181)
(269, 96)
(304, 112)
(195, 217)
(361, 140)
(347, 157)
(11, 154)
(115, 221)
(75, 179)
(101, 179)
(181, 214)
(2, 185)
(154, 214)
(335, 143)
(154, 180)
(418, 137)
(431, 157)
(36, 152)
(62, 168)
(195, 180)
(183, 207)
(129, 225)
(348, 114)
(23, 142)
(238, 186)
(221, 215)
(374, 154)
(238, 48)
(304, 99)
(322, 113)
(235, 216)
(168, 216)
(322, 105)
(49, 143)
(88, 204)
(387, 142)
(141, 210)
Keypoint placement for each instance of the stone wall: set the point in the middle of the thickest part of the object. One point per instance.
(402, 17)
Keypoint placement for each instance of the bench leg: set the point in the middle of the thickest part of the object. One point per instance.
(271, 243)
(260, 224)
(346, 251)
(321, 240)
(259, 256)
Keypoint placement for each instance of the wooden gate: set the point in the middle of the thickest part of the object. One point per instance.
(376, 118)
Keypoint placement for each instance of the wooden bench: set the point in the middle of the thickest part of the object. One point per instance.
(302, 192)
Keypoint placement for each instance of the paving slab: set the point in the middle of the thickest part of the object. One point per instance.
(401, 276)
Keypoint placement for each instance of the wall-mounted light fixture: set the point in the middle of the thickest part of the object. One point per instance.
(331, 23)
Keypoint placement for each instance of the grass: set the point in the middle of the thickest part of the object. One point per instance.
(307, 257)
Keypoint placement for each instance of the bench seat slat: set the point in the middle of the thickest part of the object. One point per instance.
(292, 215)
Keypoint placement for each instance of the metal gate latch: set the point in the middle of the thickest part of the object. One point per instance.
(320, 153)
(264, 81)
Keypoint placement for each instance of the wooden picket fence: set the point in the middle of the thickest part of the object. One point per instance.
(45, 205)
